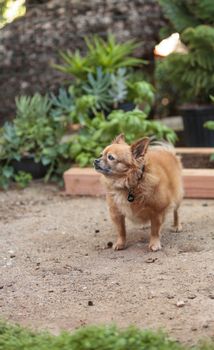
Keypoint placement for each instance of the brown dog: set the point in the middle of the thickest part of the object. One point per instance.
(143, 182)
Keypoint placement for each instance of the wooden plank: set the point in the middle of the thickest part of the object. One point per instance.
(198, 183)
(195, 150)
(85, 181)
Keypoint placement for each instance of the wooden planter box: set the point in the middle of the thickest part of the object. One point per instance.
(198, 183)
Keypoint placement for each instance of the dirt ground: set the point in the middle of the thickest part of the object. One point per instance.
(57, 272)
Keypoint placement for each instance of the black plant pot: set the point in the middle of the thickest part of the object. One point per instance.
(126, 106)
(194, 117)
(28, 164)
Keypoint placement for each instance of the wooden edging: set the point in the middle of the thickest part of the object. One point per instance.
(198, 183)
(192, 150)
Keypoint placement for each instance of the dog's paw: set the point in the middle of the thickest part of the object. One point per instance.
(155, 245)
(119, 245)
(177, 228)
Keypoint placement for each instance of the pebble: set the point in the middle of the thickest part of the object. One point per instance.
(170, 296)
(180, 303)
(90, 303)
(192, 296)
(109, 244)
(151, 260)
(205, 325)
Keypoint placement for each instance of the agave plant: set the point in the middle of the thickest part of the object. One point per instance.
(98, 85)
(63, 104)
(108, 54)
(74, 64)
(111, 55)
(118, 90)
(30, 107)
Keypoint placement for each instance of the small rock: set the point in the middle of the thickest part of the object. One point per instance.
(211, 296)
(151, 260)
(180, 303)
(90, 303)
(204, 205)
(170, 296)
(109, 244)
(205, 325)
(12, 256)
(192, 296)
(194, 329)
(1, 287)
(97, 231)
(50, 291)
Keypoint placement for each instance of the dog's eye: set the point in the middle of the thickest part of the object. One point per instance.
(110, 157)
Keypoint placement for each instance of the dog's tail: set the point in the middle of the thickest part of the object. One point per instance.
(161, 144)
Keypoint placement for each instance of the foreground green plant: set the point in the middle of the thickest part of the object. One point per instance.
(99, 132)
(90, 338)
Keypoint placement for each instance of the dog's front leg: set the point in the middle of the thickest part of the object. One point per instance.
(119, 223)
(156, 223)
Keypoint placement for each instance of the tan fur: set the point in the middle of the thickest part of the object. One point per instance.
(156, 190)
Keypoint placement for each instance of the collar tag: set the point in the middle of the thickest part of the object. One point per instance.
(130, 197)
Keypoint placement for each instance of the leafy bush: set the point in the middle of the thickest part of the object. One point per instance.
(188, 77)
(99, 132)
(183, 14)
(91, 338)
(36, 132)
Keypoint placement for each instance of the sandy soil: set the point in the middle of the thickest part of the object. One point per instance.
(57, 272)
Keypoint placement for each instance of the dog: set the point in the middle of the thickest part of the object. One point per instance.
(143, 181)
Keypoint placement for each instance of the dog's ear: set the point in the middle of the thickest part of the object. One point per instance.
(119, 139)
(139, 148)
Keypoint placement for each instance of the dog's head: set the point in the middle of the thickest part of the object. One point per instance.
(118, 158)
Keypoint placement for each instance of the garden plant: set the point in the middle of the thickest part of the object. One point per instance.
(90, 338)
(187, 77)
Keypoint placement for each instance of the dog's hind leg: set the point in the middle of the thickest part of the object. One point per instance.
(177, 227)
(156, 224)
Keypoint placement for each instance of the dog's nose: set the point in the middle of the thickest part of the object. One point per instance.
(96, 161)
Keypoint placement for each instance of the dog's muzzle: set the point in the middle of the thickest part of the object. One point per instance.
(100, 168)
(97, 164)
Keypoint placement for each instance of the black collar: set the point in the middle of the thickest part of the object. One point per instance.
(131, 196)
